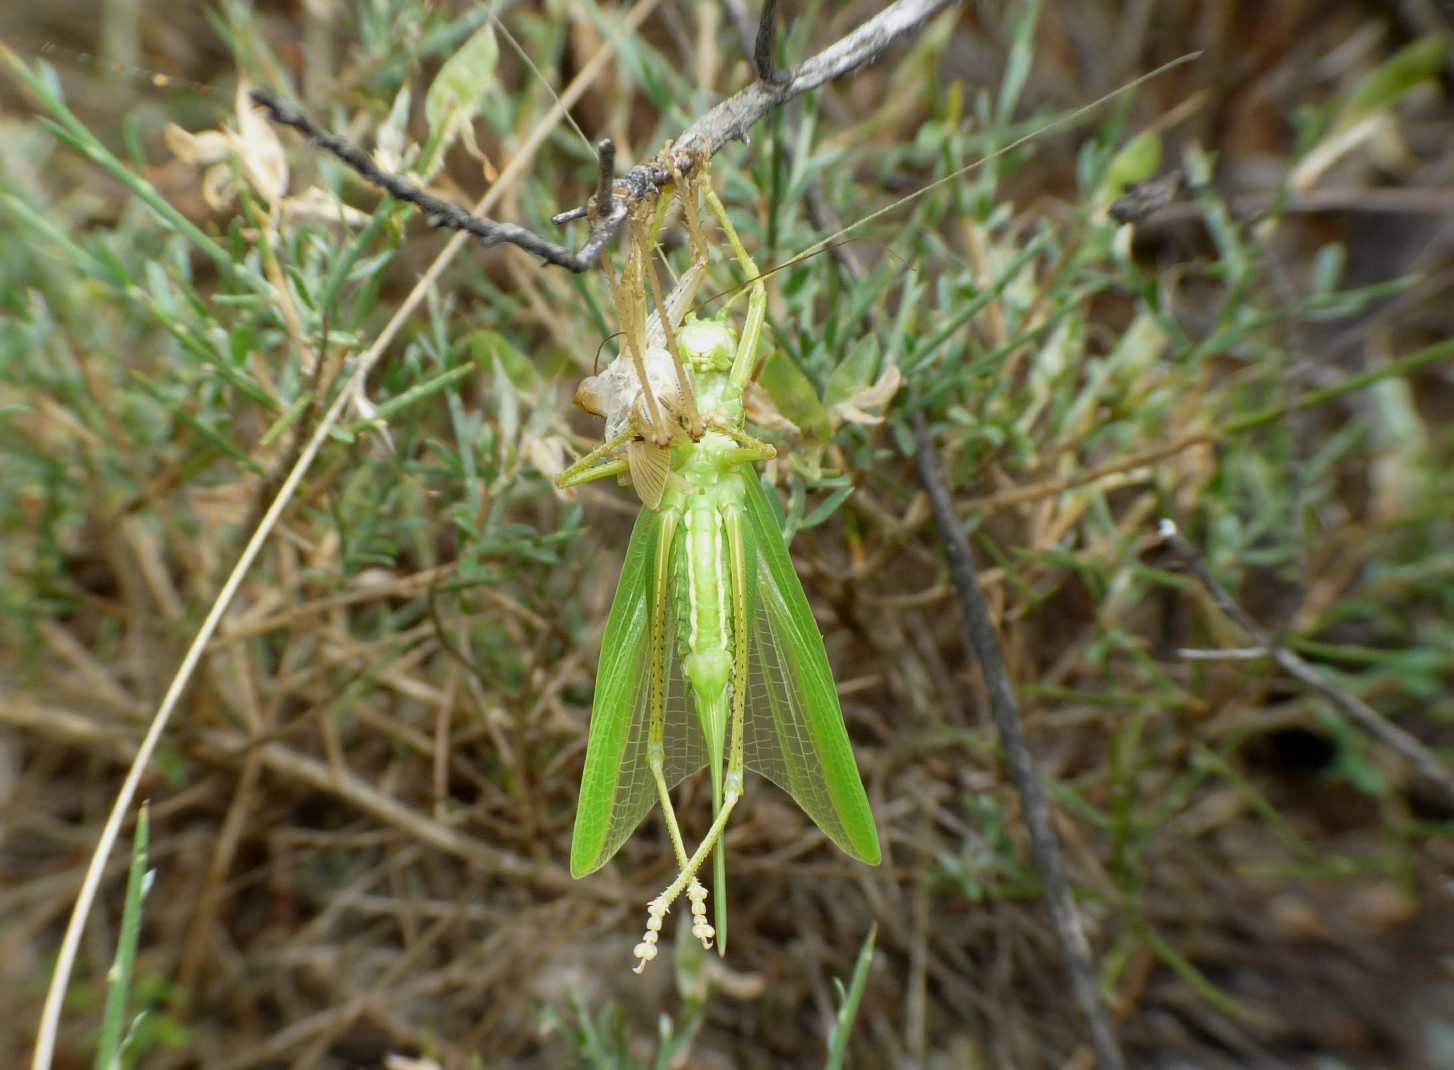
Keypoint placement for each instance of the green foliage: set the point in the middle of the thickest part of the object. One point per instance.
(848, 1004)
(121, 1046)
(602, 1038)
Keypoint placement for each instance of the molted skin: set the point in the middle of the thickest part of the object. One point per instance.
(616, 392)
(706, 345)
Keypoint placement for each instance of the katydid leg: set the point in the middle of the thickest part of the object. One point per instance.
(630, 297)
(737, 572)
(686, 880)
(587, 469)
(745, 360)
(656, 730)
(668, 330)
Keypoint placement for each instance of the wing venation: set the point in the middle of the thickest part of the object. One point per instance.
(794, 733)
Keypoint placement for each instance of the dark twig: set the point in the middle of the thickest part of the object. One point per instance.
(606, 157)
(732, 118)
(980, 637)
(762, 49)
(1423, 760)
(442, 213)
(727, 122)
(1044, 845)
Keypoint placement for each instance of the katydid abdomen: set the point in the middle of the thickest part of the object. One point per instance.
(715, 616)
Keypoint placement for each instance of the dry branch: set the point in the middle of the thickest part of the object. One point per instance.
(728, 121)
(1423, 760)
(981, 637)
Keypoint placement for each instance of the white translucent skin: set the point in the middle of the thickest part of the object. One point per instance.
(616, 392)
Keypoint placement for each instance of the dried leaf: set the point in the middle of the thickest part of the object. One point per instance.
(197, 150)
(546, 455)
(319, 205)
(853, 409)
(219, 187)
(389, 142)
(763, 413)
(264, 163)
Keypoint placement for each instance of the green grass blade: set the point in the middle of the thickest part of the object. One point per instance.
(118, 981)
(75, 132)
(848, 1009)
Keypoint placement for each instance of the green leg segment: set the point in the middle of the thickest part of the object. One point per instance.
(588, 468)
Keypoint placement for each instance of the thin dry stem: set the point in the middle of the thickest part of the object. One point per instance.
(1424, 761)
(981, 637)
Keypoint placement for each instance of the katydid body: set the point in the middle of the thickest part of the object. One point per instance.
(711, 655)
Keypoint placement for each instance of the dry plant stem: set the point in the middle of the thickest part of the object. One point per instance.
(1044, 846)
(762, 47)
(728, 121)
(1423, 760)
(442, 213)
(70, 943)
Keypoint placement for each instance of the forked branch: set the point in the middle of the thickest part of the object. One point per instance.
(442, 213)
(1425, 762)
(609, 207)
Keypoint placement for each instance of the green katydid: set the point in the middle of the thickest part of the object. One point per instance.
(709, 610)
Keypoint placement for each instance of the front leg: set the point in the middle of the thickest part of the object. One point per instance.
(744, 363)
(588, 469)
(750, 450)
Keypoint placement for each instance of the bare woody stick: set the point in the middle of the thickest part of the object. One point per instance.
(980, 637)
(608, 209)
(1004, 708)
(1423, 760)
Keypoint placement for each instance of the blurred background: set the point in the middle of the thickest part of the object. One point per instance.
(360, 815)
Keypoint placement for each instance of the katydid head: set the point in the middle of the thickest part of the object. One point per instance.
(707, 344)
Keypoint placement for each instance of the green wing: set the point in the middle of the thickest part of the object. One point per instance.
(617, 789)
(794, 733)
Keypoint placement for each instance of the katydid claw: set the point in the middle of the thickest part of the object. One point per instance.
(645, 952)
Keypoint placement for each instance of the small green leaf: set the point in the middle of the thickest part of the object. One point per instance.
(849, 1002)
(488, 348)
(855, 372)
(1136, 161)
(793, 394)
(828, 507)
(459, 89)
(1328, 267)
(1392, 80)
(118, 981)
